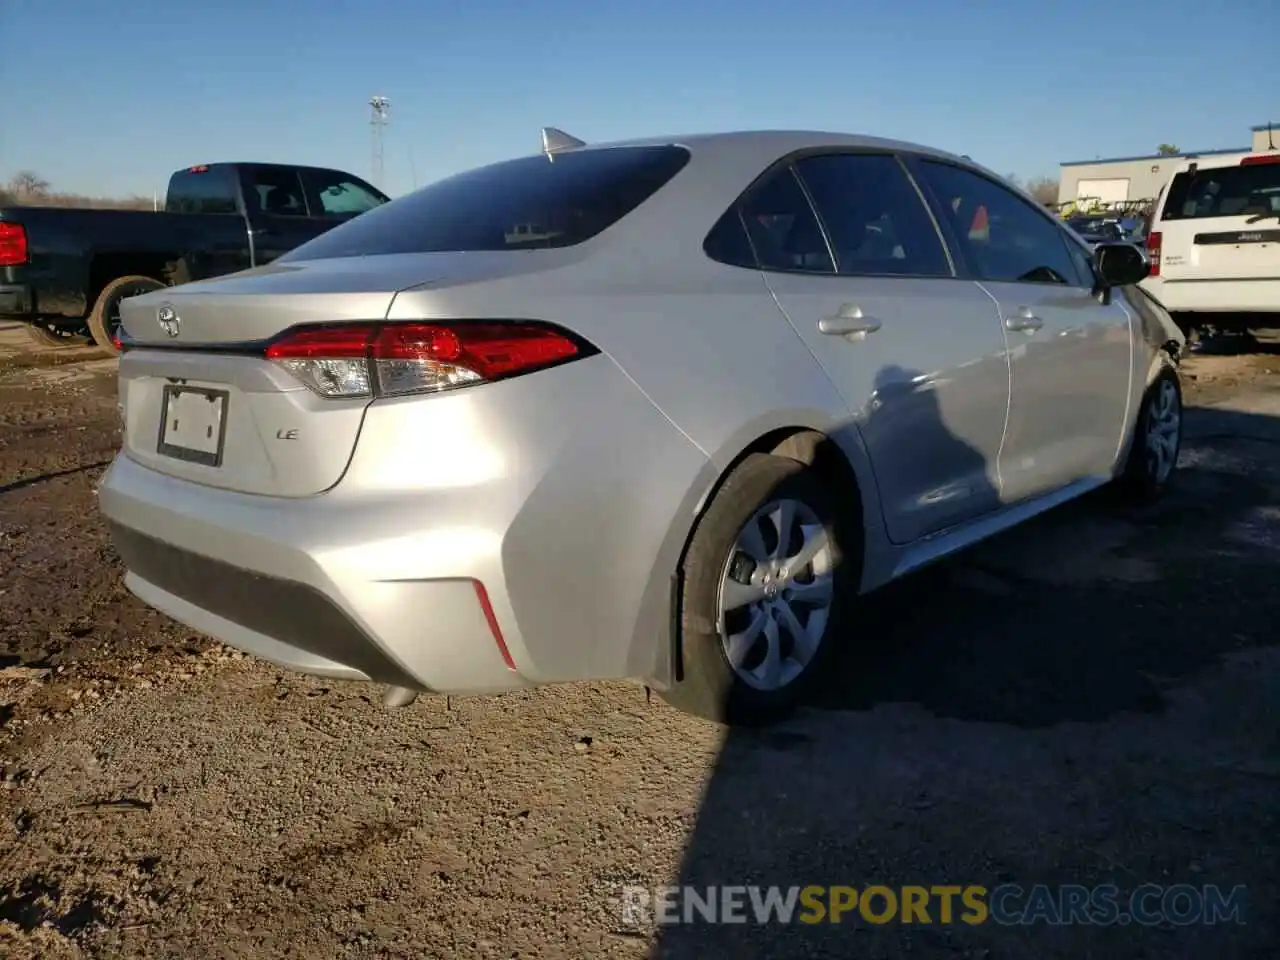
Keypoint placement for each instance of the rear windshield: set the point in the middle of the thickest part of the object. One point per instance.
(531, 203)
(1224, 192)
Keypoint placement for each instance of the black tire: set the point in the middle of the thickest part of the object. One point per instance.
(52, 337)
(1141, 480)
(104, 317)
(710, 687)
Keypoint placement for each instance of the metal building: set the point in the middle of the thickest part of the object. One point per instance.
(1121, 179)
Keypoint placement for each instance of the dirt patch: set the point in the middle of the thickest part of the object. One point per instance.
(1089, 699)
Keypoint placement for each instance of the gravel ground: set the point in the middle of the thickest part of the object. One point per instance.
(1090, 699)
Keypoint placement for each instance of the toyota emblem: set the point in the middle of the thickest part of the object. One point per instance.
(167, 317)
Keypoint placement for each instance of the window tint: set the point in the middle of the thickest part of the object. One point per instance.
(1225, 192)
(276, 191)
(335, 194)
(201, 190)
(530, 203)
(876, 221)
(728, 242)
(1082, 260)
(783, 230)
(1002, 236)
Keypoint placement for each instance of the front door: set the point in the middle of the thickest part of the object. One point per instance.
(918, 355)
(1070, 346)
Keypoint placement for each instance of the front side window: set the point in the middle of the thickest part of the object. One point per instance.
(1082, 260)
(1002, 237)
(877, 222)
(536, 202)
(338, 195)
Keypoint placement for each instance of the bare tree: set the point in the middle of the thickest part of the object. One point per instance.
(1168, 150)
(27, 183)
(1044, 189)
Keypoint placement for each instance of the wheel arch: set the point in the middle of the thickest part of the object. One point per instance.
(839, 472)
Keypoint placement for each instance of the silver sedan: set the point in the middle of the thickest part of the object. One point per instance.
(657, 410)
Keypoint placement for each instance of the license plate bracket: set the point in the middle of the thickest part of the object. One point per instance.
(193, 424)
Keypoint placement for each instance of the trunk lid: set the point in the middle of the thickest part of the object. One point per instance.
(201, 401)
(1241, 251)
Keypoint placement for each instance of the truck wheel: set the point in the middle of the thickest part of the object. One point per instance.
(46, 335)
(104, 319)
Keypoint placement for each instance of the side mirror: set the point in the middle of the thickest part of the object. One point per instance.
(1120, 264)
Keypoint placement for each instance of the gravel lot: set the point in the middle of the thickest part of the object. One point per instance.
(1091, 699)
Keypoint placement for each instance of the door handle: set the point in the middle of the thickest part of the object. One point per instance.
(1024, 320)
(850, 322)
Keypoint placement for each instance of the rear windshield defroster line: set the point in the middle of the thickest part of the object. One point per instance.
(531, 203)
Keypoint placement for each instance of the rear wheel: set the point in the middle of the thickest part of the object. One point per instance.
(1157, 440)
(104, 319)
(764, 584)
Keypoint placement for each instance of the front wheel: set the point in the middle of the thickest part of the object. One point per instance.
(104, 319)
(764, 583)
(1157, 440)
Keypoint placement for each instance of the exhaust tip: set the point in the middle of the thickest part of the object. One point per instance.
(399, 697)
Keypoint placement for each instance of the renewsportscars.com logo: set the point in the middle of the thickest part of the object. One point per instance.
(1009, 905)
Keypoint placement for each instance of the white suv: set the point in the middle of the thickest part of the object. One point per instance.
(1215, 244)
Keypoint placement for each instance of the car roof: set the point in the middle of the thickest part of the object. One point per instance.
(780, 142)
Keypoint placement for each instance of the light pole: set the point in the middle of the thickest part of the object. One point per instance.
(379, 117)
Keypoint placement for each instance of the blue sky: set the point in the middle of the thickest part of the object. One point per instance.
(111, 97)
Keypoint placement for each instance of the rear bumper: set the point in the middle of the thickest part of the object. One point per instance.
(566, 495)
(15, 301)
(299, 604)
(1215, 296)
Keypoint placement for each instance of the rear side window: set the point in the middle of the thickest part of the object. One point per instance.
(201, 190)
(275, 191)
(531, 203)
(784, 231)
(1251, 190)
(877, 222)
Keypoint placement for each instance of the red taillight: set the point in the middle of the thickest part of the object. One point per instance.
(1154, 241)
(355, 360)
(13, 245)
(1259, 159)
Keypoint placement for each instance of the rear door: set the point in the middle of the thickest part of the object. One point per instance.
(1222, 223)
(1070, 348)
(918, 355)
(275, 202)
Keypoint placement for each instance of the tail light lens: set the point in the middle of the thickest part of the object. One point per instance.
(1154, 241)
(13, 245)
(1258, 159)
(395, 359)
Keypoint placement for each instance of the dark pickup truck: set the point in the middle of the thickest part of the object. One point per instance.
(64, 271)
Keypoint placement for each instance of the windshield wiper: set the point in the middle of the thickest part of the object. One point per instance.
(1262, 216)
